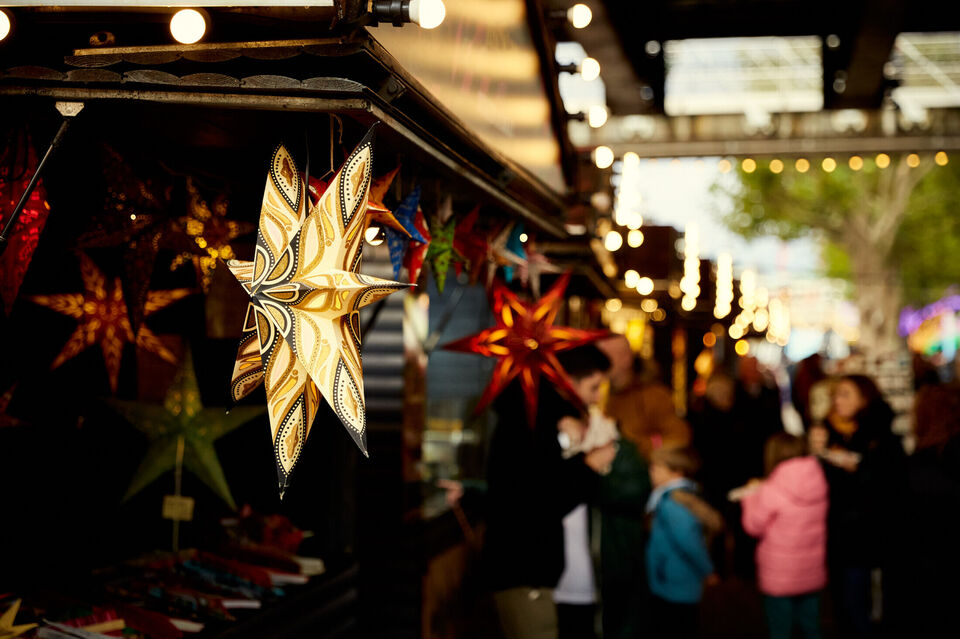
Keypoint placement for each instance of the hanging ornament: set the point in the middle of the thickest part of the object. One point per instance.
(499, 254)
(102, 316)
(183, 417)
(525, 344)
(7, 629)
(515, 247)
(441, 251)
(536, 265)
(306, 292)
(377, 210)
(17, 165)
(473, 246)
(400, 242)
(134, 217)
(210, 234)
(417, 251)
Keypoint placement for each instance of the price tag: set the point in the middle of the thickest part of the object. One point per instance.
(178, 508)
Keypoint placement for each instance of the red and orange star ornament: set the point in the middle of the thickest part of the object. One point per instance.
(525, 343)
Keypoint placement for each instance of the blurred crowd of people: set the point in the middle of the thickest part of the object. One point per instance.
(611, 515)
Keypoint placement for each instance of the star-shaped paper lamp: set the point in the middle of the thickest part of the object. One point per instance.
(17, 164)
(441, 251)
(210, 234)
(182, 416)
(102, 316)
(377, 211)
(417, 251)
(306, 292)
(499, 253)
(411, 237)
(536, 265)
(473, 246)
(7, 629)
(525, 343)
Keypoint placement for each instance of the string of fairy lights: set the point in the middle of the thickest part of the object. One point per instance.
(759, 311)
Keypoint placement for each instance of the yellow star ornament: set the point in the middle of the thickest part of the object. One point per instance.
(102, 315)
(302, 328)
(7, 629)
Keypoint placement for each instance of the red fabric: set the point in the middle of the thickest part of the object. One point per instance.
(789, 515)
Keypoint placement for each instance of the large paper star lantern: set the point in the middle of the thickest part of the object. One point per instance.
(473, 246)
(499, 253)
(441, 251)
(182, 417)
(400, 242)
(7, 629)
(306, 292)
(17, 165)
(102, 316)
(135, 217)
(417, 251)
(377, 210)
(525, 343)
(210, 234)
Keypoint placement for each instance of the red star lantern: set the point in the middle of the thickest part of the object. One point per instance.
(525, 343)
(472, 245)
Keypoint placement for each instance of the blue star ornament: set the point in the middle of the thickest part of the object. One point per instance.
(397, 242)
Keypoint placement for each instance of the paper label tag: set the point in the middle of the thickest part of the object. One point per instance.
(178, 507)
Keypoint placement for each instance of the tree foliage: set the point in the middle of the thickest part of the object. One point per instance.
(908, 217)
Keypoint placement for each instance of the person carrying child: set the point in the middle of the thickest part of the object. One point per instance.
(787, 511)
(678, 562)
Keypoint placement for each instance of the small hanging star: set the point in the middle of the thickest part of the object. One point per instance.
(441, 251)
(182, 416)
(398, 242)
(103, 319)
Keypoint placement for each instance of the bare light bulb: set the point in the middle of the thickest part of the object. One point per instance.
(187, 26)
(645, 286)
(631, 278)
(597, 116)
(5, 27)
(373, 236)
(603, 157)
(589, 69)
(613, 241)
(579, 15)
(429, 14)
(634, 238)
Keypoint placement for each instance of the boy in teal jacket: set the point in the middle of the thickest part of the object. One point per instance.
(677, 558)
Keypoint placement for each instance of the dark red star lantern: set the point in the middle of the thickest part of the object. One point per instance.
(525, 343)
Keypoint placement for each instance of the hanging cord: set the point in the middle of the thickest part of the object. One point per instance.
(339, 140)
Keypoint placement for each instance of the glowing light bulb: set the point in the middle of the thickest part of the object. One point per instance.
(603, 157)
(634, 238)
(4, 24)
(597, 116)
(749, 165)
(373, 236)
(429, 14)
(589, 69)
(883, 161)
(187, 26)
(776, 166)
(579, 16)
(856, 163)
(644, 286)
(613, 241)
(802, 165)
(829, 165)
(913, 160)
(688, 303)
(631, 278)
(648, 305)
(724, 166)
(941, 158)
(614, 304)
(742, 347)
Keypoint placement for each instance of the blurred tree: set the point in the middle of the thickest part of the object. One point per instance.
(893, 232)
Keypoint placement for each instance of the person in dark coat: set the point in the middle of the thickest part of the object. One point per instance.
(530, 489)
(865, 470)
(926, 575)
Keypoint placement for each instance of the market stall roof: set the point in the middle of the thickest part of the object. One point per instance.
(306, 75)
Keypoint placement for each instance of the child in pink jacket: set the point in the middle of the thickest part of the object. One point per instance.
(788, 513)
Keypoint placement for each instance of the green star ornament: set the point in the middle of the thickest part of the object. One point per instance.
(183, 416)
(441, 251)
